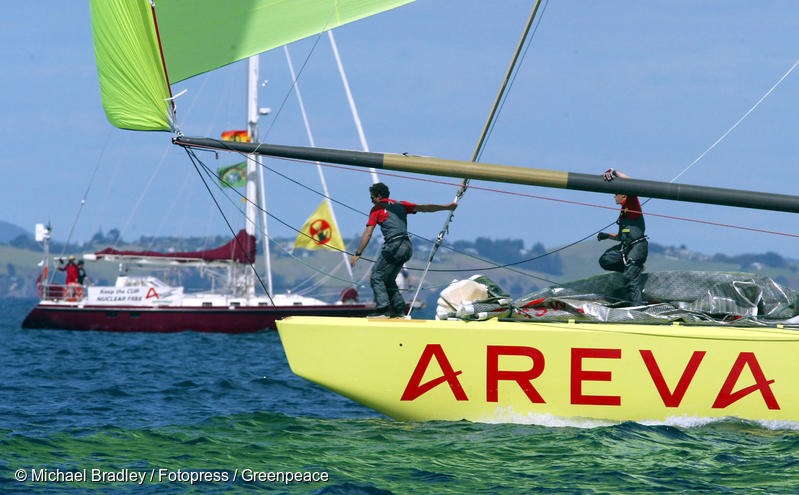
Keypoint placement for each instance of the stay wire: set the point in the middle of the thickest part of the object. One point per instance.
(299, 73)
(546, 198)
(738, 122)
(192, 157)
(700, 157)
(222, 146)
(431, 241)
(513, 77)
(479, 147)
(85, 195)
(734, 126)
(214, 177)
(493, 266)
(703, 154)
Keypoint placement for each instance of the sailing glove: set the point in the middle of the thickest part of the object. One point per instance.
(602, 236)
(609, 174)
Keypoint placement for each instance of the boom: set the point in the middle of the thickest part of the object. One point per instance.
(511, 174)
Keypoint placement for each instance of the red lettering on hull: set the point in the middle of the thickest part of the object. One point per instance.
(415, 388)
(579, 376)
(727, 396)
(523, 378)
(672, 399)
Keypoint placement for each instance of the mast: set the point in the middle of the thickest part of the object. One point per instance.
(512, 174)
(42, 235)
(478, 149)
(353, 109)
(253, 170)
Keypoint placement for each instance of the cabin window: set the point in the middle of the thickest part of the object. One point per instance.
(207, 304)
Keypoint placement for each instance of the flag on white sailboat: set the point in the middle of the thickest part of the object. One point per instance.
(233, 175)
(238, 136)
(320, 231)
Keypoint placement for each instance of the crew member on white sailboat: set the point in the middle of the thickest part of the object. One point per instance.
(397, 249)
(82, 278)
(71, 268)
(629, 256)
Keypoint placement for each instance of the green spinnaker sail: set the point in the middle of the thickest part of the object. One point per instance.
(132, 81)
(195, 36)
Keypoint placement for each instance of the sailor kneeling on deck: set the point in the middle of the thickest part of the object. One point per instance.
(629, 256)
(392, 216)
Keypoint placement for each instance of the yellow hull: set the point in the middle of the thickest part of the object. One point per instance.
(507, 371)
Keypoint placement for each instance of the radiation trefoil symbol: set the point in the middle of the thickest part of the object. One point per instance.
(320, 231)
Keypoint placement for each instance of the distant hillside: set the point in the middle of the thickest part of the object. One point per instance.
(527, 268)
(10, 231)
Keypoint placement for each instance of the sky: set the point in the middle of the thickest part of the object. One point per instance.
(643, 87)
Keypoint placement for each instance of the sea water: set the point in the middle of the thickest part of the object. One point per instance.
(209, 413)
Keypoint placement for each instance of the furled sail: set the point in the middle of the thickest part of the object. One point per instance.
(241, 250)
(141, 46)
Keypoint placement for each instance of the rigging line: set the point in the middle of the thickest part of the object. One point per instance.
(700, 157)
(273, 217)
(515, 74)
(661, 215)
(315, 191)
(167, 213)
(299, 73)
(321, 280)
(553, 251)
(86, 192)
(226, 92)
(577, 203)
(736, 124)
(192, 157)
(526, 274)
(141, 197)
(313, 144)
(353, 108)
(507, 266)
(415, 235)
(494, 265)
(270, 215)
(157, 169)
(210, 174)
(102, 205)
(316, 279)
(478, 148)
(716, 143)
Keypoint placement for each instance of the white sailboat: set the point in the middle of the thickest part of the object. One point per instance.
(145, 303)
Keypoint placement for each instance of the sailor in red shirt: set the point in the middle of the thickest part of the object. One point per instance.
(392, 216)
(629, 256)
(72, 270)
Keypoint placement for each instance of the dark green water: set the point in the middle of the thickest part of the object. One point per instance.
(190, 404)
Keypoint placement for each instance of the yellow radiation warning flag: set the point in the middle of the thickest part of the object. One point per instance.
(320, 231)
